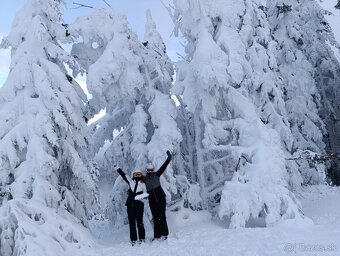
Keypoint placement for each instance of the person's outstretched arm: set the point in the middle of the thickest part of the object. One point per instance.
(164, 165)
(123, 175)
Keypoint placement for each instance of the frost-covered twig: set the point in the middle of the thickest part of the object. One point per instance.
(171, 10)
(283, 9)
(216, 160)
(180, 56)
(239, 160)
(156, 51)
(168, 8)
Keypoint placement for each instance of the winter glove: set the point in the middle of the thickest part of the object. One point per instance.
(141, 197)
(121, 173)
(169, 155)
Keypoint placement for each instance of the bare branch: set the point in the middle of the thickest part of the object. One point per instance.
(107, 4)
(79, 5)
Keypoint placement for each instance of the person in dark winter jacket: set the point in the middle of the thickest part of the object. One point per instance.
(157, 200)
(134, 204)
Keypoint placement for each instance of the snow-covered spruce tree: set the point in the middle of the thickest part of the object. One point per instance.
(131, 80)
(233, 135)
(298, 84)
(47, 185)
(309, 32)
(264, 83)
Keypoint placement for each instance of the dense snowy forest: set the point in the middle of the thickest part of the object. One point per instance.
(251, 115)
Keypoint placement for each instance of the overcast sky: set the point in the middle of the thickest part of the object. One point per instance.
(134, 10)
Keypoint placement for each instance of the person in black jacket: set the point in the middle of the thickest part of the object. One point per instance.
(134, 204)
(157, 200)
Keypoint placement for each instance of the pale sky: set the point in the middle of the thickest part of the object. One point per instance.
(133, 9)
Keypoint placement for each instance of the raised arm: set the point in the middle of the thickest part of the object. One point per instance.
(164, 165)
(121, 173)
(124, 176)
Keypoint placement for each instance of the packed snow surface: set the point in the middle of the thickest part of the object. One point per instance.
(195, 233)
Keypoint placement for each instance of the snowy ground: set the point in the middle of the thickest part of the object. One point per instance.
(196, 234)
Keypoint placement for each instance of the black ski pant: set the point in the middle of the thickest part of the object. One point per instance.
(135, 216)
(158, 207)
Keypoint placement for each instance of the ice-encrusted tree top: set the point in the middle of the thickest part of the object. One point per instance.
(127, 73)
(44, 169)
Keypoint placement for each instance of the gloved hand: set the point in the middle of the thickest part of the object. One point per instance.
(142, 197)
(169, 155)
(121, 172)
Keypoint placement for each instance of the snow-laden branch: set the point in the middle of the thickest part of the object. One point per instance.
(310, 155)
(214, 161)
(218, 185)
